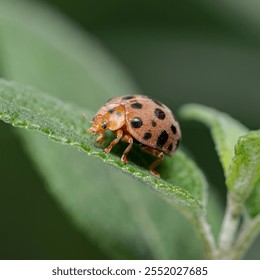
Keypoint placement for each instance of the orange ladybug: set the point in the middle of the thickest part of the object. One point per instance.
(140, 118)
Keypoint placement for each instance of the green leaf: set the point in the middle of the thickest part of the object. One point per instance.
(127, 219)
(244, 172)
(27, 107)
(253, 201)
(224, 129)
(175, 171)
(41, 48)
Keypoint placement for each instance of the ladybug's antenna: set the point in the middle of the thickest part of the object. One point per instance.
(85, 116)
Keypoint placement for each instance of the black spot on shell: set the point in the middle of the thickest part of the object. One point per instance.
(147, 135)
(153, 123)
(127, 97)
(162, 139)
(136, 122)
(173, 128)
(170, 147)
(159, 114)
(119, 114)
(111, 111)
(137, 105)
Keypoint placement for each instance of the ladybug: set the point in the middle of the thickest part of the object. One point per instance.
(138, 118)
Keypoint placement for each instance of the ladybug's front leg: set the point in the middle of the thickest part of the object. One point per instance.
(119, 135)
(101, 138)
(129, 139)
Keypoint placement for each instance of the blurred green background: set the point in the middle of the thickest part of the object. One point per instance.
(176, 51)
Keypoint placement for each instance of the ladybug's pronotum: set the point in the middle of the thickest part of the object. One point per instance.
(140, 118)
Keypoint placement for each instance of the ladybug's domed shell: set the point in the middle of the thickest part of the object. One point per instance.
(150, 122)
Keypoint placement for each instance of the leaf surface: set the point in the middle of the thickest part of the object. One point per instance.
(224, 129)
(238, 150)
(27, 107)
(244, 172)
(115, 210)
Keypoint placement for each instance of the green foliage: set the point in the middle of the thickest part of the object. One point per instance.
(244, 170)
(29, 108)
(239, 153)
(124, 218)
(252, 203)
(224, 129)
(71, 65)
(26, 107)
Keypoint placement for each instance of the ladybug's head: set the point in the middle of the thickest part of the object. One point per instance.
(100, 124)
(108, 119)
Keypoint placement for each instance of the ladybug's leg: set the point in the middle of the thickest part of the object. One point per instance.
(156, 153)
(119, 135)
(127, 138)
(101, 139)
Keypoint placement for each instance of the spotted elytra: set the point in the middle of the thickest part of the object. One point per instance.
(140, 118)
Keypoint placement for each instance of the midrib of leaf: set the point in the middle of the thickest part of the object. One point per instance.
(26, 107)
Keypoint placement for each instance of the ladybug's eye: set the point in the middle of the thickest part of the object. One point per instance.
(104, 125)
